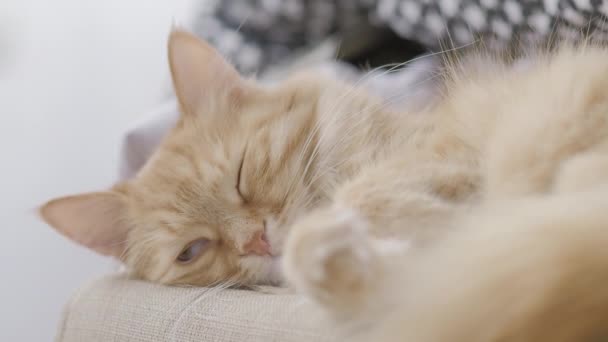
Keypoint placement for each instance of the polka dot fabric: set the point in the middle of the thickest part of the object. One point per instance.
(259, 33)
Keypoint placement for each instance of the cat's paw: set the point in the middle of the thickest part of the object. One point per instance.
(330, 258)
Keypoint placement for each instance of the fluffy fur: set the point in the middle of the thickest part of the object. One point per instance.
(523, 257)
(480, 219)
(290, 140)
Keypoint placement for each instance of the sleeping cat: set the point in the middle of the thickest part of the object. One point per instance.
(217, 199)
(479, 219)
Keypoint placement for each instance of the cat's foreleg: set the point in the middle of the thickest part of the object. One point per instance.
(338, 255)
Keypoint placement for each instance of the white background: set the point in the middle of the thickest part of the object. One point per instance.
(73, 75)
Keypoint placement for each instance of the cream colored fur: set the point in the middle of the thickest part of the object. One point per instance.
(525, 259)
(481, 219)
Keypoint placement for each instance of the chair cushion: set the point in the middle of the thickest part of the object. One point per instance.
(117, 308)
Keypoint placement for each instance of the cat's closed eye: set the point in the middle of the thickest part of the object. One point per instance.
(192, 251)
(238, 179)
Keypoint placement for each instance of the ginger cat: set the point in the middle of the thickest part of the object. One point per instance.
(480, 219)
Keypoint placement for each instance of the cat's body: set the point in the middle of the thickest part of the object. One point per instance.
(370, 207)
(527, 270)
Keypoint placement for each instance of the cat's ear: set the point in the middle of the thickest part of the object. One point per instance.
(199, 72)
(93, 220)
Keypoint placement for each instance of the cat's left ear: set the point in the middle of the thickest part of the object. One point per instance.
(94, 220)
(199, 72)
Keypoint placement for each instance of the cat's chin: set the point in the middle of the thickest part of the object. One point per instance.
(264, 270)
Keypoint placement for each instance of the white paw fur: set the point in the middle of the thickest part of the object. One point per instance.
(331, 258)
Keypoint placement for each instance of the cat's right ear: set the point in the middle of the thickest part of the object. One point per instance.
(93, 220)
(199, 72)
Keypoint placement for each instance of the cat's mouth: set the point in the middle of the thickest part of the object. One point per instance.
(263, 269)
(273, 253)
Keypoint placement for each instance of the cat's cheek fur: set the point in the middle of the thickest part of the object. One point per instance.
(276, 234)
(261, 270)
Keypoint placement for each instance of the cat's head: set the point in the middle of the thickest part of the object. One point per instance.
(210, 203)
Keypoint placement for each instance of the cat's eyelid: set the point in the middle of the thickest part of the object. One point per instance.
(238, 177)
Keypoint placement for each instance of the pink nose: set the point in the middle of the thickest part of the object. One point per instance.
(258, 245)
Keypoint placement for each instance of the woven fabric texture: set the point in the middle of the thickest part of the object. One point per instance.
(116, 308)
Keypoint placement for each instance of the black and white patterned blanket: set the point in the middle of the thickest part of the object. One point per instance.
(257, 34)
